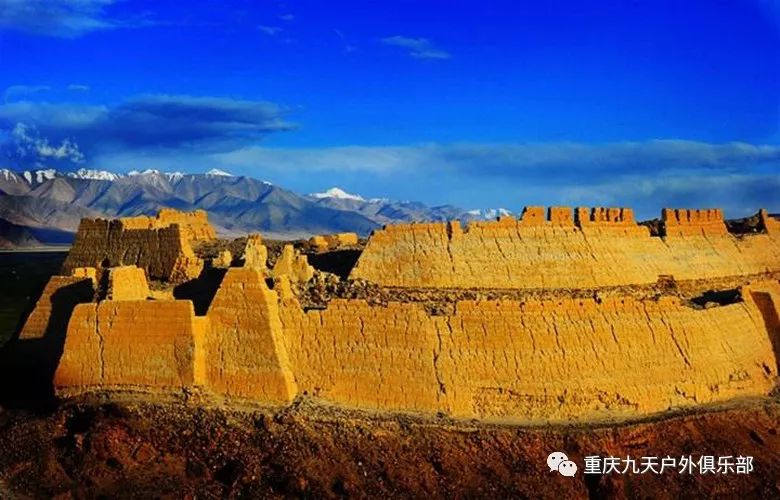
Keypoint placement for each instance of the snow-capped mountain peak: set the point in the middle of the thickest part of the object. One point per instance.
(97, 175)
(337, 193)
(9, 175)
(489, 213)
(174, 176)
(148, 171)
(219, 173)
(39, 176)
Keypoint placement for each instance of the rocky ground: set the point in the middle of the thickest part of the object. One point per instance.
(172, 450)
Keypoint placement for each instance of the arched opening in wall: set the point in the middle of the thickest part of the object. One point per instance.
(768, 308)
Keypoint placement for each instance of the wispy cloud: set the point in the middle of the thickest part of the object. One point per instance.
(62, 18)
(15, 92)
(646, 175)
(75, 87)
(348, 47)
(270, 30)
(151, 122)
(287, 17)
(37, 151)
(419, 48)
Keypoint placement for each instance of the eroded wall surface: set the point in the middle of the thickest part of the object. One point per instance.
(600, 247)
(133, 344)
(160, 245)
(569, 360)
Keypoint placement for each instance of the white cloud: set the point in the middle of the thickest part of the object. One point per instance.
(270, 30)
(75, 87)
(62, 18)
(15, 92)
(30, 145)
(420, 48)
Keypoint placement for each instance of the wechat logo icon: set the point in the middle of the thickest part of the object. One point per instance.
(558, 461)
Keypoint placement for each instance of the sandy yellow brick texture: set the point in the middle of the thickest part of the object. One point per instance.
(127, 283)
(160, 245)
(586, 249)
(246, 354)
(143, 345)
(568, 360)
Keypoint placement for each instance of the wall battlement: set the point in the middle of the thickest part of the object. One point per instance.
(587, 248)
(684, 222)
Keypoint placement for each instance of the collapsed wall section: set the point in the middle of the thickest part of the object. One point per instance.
(589, 248)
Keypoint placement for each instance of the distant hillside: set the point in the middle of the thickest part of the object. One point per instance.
(56, 201)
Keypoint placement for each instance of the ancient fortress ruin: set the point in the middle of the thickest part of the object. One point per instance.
(559, 316)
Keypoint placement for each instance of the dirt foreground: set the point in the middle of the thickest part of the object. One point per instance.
(173, 450)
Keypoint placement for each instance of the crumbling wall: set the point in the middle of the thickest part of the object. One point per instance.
(568, 360)
(769, 223)
(293, 264)
(127, 283)
(362, 356)
(162, 248)
(194, 225)
(600, 247)
(336, 241)
(147, 346)
(578, 360)
(247, 357)
(55, 305)
(255, 254)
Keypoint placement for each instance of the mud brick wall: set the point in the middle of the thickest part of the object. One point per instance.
(569, 360)
(164, 253)
(363, 356)
(153, 346)
(53, 308)
(600, 247)
(246, 353)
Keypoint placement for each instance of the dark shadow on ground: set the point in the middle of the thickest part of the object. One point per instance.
(201, 290)
(720, 297)
(768, 310)
(338, 262)
(27, 365)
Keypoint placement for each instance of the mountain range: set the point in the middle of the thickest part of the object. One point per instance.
(45, 206)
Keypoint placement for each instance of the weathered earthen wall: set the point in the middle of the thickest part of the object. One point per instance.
(132, 345)
(127, 283)
(53, 308)
(568, 360)
(602, 247)
(163, 252)
(363, 356)
(769, 223)
(246, 352)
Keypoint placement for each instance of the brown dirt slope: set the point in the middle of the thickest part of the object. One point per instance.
(133, 450)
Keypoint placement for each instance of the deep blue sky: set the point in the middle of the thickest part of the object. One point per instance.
(474, 103)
